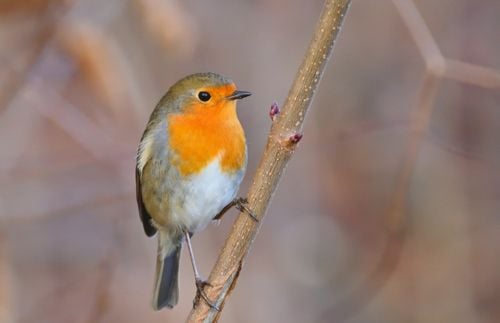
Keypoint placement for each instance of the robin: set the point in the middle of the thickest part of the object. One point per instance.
(190, 163)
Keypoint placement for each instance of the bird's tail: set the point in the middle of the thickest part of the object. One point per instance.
(166, 291)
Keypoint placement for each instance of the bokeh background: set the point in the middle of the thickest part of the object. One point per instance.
(388, 212)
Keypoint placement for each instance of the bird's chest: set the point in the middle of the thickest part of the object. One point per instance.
(201, 196)
(197, 140)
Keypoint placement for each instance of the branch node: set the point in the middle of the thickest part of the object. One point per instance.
(274, 111)
(292, 140)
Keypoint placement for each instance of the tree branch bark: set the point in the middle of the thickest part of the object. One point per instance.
(286, 132)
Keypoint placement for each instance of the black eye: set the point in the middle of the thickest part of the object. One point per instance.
(204, 96)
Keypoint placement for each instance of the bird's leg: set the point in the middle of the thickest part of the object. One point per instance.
(241, 205)
(224, 210)
(200, 282)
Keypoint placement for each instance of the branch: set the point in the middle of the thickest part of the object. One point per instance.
(285, 133)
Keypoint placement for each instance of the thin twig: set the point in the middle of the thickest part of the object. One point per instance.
(421, 34)
(396, 220)
(285, 133)
(472, 74)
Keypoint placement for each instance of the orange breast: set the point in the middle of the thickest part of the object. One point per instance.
(198, 136)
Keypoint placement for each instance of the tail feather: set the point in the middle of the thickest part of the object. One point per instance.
(166, 291)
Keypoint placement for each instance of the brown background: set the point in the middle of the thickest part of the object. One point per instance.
(79, 79)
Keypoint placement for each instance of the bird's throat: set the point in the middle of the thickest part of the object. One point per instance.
(198, 137)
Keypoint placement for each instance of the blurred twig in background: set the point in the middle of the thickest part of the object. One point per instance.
(6, 292)
(437, 68)
(107, 271)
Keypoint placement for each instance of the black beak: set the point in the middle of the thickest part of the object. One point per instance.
(236, 95)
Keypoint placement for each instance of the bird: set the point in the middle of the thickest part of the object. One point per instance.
(190, 163)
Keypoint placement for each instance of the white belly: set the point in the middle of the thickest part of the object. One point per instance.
(203, 196)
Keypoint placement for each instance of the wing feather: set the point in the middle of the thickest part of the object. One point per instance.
(149, 229)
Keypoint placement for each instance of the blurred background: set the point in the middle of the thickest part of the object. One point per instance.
(388, 212)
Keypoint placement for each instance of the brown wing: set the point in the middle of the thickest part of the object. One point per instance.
(149, 229)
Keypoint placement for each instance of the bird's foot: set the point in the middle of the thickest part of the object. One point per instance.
(241, 205)
(200, 285)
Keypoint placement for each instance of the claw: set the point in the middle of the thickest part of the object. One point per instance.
(200, 285)
(241, 205)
